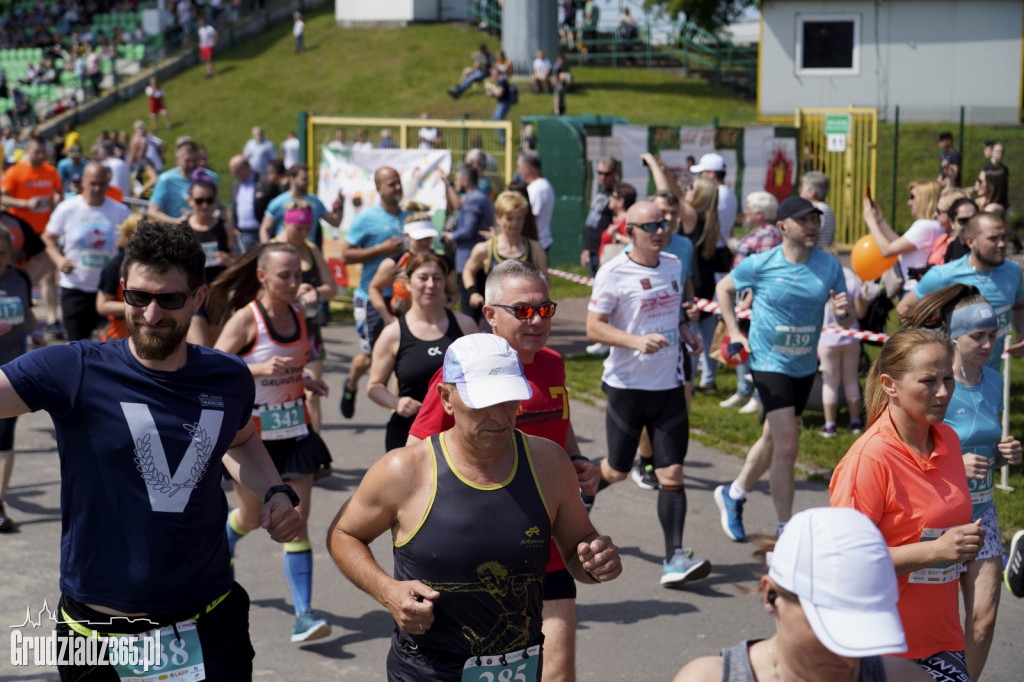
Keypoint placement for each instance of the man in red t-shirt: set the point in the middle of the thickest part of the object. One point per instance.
(31, 189)
(516, 300)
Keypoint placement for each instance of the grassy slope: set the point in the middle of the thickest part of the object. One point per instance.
(403, 72)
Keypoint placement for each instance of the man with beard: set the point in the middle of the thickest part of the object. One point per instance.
(985, 267)
(145, 428)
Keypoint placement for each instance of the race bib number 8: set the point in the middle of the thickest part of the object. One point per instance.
(518, 666)
(179, 657)
(794, 340)
(278, 422)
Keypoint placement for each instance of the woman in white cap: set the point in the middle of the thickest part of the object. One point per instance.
(413, 346)
(419, 238)
(907, 475)
(831, 590)
(974, 412)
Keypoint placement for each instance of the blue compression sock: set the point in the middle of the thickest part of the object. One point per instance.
(234, 532)
(298, 569)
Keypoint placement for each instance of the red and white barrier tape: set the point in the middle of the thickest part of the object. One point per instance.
(712, 307)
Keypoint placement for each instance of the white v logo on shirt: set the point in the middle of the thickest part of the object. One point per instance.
(169, 493)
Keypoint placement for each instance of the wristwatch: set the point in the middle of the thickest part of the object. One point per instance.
(283, 488)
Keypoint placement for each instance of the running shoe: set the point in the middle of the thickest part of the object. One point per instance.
(856, 427)
(348, 400)
(6, 524)
(731, 514)
(598, 349)
(643, 475)
(683, 568)
(827, 431)
(308, 627)
(1013, 574)
(706, 388)
(735, 400)
(753, 406)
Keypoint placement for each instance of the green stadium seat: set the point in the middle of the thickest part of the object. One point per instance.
(139, 52)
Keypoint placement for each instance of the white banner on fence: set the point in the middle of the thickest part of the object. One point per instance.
(351, 173)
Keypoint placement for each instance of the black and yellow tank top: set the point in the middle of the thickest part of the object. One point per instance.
(494, 258)
(484, 548)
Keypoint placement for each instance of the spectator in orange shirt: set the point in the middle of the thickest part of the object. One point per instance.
(31, 188)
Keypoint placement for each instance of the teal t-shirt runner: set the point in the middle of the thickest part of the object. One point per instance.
(973, 413)
(788, 300)
(372, 227)
(1002, 286)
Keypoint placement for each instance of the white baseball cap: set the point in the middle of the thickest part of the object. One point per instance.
(709, 162)
(485, 370)
(836, 561)
(420, 229)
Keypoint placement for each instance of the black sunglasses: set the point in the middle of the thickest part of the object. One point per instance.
(168, 301)
(650, 227)
(601, 172)
(913, 198)
(203, 201)
(963, 221)
(525, 312)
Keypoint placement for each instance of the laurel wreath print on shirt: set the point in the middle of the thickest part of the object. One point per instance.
(160, 481)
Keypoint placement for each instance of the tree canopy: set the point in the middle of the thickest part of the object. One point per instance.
(710, 15)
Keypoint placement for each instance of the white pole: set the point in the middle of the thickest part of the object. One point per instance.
(1004, 471)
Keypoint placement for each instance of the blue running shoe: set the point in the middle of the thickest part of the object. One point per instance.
(732, 514)
(308, 627)
(683, 568)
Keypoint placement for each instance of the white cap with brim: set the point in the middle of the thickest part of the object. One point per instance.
(485, 370)
(709, 162)
(420, 229)
(836, 561)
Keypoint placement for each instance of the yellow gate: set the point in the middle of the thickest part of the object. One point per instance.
(843, 144)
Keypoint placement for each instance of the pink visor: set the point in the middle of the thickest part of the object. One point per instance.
(298, 216)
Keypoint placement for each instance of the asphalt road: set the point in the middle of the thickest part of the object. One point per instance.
(628, 629)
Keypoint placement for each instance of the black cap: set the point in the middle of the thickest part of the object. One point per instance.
(795, 207)
(945, 136)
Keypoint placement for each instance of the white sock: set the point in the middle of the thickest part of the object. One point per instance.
(736, 492)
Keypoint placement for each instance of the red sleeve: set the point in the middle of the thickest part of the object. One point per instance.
(860, 482)
(431, 418)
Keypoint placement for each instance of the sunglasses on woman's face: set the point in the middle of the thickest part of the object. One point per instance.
(526, 312)
(203, 201)
(168, 301)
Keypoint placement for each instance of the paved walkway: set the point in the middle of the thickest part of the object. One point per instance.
(625, 626)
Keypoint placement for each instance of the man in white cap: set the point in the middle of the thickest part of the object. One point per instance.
(831, 570)
(471, 524)
(712, 166)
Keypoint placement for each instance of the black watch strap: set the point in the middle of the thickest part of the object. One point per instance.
(283, 488)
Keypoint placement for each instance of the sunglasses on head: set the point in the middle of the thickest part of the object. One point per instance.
(650, 227)
(203, 201)
(525, 312)
(167, 301)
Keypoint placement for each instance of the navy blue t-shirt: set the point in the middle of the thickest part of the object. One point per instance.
(142, 509)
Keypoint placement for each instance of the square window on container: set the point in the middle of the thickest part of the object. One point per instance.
(827, 44)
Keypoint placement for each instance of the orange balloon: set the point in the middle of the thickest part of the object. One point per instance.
(867, 261)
